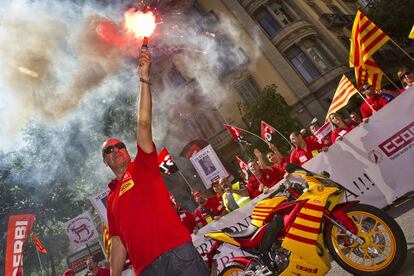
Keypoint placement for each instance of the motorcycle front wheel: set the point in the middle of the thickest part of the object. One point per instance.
(233, 269)
(384, 249)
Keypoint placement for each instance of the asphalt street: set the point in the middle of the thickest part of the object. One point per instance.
(403, 212)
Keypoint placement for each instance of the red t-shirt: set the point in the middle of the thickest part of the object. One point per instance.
(342, 131)
(377, 102)
(205, 214)
(140, 212)
(103, 272)
(301, 156)
(187, 219)
(269, 177)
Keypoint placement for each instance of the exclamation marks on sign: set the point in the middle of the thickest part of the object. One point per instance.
(366, 176)
(363, 183)
(356, 185)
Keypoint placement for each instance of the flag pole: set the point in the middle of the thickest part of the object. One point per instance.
(40, 262)
(390, 80)
(365, 100)
(287, 140)
(185, 179)
(399, 47)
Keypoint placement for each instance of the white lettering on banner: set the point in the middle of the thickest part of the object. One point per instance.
(19, 238)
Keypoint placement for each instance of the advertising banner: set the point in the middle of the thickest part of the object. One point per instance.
(18, 230)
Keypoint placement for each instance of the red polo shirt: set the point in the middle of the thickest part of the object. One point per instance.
(140, 212)
(301, 156)
(205, 213)
(377, 102)
(342, 131)
(187, 220)
(269, 178)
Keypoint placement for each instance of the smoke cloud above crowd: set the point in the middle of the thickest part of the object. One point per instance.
(64, 64)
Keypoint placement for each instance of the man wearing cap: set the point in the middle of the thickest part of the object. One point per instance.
(208, 209)
(142, 222)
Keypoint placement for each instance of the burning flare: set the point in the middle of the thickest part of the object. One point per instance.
(139, 24)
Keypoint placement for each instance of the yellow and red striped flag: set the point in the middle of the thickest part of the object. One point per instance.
(369, 73)
(366, 39)
(38, 244)
(342, 95)
(106, 240)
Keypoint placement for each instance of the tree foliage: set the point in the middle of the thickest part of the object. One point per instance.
(393, 17)
(272, 108)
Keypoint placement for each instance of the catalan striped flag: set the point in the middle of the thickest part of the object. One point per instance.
(38, 244)
(366, 39)
(342, 95)
(106, 240)
(411, 35)
(369, 73)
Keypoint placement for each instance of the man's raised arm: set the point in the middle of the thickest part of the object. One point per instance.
(144, 113)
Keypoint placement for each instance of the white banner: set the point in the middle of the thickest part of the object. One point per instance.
(208, 166)
(374, 161)
(80, 230)
(99, 202)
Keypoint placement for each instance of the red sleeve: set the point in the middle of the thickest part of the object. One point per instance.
(253, 192)
(150, 160)
(365, 113)
(197, 215)
(293, 158)
(334, 135)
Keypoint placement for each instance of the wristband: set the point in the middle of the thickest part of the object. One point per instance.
(145, 81)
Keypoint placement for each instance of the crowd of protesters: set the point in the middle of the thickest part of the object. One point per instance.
(268, 169)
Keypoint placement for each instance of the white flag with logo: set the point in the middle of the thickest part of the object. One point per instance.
(80, 230)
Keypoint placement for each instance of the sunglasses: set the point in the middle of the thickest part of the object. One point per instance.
(111, 148)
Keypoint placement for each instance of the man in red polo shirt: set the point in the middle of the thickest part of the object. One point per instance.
(261, 179)
(372, 101)
(142, 222)
(305, 149)
(208, 209)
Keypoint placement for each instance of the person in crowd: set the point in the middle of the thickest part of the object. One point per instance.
(261, 179)
(340, 126)
(356, 119)
(208, 209)
(304, 132)
(372, 101)
(187, 219)
(94, 269)
(233, 195)
(142, 222)
(275, 158)
(304, 149)
(314, 127)
(406, 76)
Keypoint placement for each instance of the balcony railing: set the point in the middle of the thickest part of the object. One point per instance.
(333, 20)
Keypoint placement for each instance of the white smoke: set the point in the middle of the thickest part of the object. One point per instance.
(58, 74)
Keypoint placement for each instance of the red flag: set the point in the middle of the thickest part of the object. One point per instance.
(38, 244)
(267, 131)
(243, 167)
(18, 230)
(166, 163)
(236, 134)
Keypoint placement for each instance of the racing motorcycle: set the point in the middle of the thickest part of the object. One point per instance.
(293, 237)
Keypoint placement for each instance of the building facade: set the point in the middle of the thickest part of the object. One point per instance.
(301, 46)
